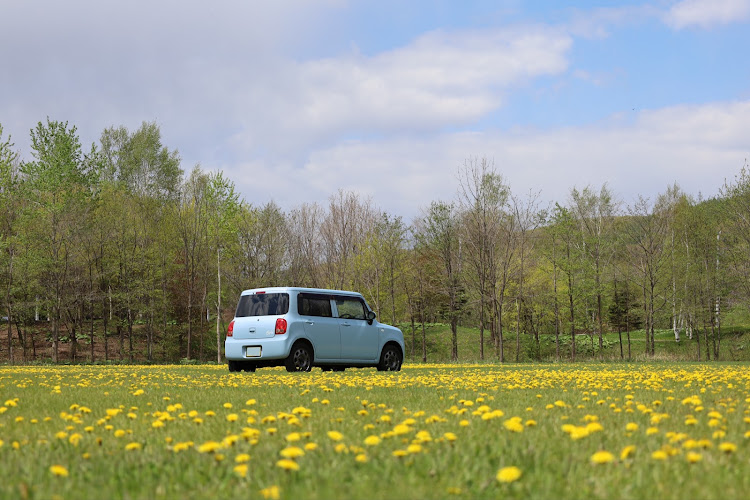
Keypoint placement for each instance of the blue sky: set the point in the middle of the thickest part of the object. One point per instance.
(296, 99)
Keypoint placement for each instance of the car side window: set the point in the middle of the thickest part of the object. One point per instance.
(314, 305)
(350, 308)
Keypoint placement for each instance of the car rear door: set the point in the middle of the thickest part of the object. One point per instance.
(321, 327)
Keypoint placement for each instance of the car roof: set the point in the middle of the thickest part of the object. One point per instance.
(281, 289)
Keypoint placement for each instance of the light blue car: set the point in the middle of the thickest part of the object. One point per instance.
(304, 327)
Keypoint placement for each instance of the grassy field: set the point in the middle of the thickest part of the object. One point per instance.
(658, 430)
(735, 346)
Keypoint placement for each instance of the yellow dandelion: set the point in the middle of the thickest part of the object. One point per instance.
(414, 448)
(372, 440)
(209, 447)
(361, 458)
(693, 457)
(508, 474)
(728, 447)
(242, 458)
(58, 470)
(133, 446)
(293, 437)
(627, 452)
(335, 436)
(287, 464)
(271, 493)
(602, 457)
(292, 452)
(659, 455)
(341, 448)
(240, 470)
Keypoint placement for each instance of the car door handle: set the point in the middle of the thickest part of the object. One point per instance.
(308, 322)
(251, 330)
(346, 324)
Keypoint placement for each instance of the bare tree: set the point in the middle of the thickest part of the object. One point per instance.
(482, 197)
(595, 214)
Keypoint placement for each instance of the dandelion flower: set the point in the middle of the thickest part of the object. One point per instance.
(627, 452)
(242, 458)
(271, 493)
(292, 452)
(508, 474)
(361, 458)
(209, 447)
(727, 447)
(292, 437)
(659, 455)
(335, 436)
(602, 457)
(693, 457)
(372, 440)
(133, 446)
(59, 470)
(287, 464)
(241, 470)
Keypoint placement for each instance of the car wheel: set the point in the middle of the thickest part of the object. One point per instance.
(339, 368)
(390, 359)
(234, 366)
(325, 368)
(300, 358)
(249, 367)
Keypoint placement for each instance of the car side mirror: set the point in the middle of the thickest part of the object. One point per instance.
(370, 316)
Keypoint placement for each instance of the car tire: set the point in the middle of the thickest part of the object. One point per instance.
(234, 366)
(300, 358)
(390, 359)
(248, 367)
(326, 368)
(339, 368)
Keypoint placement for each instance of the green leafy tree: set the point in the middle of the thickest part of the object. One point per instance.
(59, 182)
(9, 205)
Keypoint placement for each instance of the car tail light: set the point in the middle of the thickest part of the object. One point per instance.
(230, 329)
(280, 326)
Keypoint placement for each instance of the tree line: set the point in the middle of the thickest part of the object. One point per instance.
(115, 252)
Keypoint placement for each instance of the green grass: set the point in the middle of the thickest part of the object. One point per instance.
(44, 409)
(735, 346)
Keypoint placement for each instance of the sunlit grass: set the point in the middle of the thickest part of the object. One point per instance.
(466, 431)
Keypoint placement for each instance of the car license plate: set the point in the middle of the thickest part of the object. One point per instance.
(252, 352)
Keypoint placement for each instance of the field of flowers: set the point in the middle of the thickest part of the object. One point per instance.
(429, 431)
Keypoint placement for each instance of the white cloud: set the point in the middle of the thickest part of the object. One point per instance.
(440, 79)
(696, 146)
(707, 13)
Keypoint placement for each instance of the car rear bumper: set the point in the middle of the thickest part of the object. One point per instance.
(270, 348)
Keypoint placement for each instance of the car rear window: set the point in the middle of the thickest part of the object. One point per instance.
(264, 304)
(314, 305)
